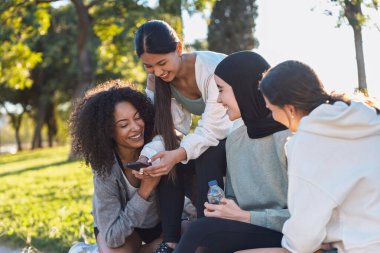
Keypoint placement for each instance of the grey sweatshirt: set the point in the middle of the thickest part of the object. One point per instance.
(257, 176)
(115, 213)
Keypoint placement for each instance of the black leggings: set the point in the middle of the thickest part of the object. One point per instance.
(147, 235)
(226, 236)
(211, 165)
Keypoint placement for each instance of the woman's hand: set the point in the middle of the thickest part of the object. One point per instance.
(141, 174)
(227, 209)
(168, 159)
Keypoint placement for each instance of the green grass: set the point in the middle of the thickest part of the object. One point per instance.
(45, 200)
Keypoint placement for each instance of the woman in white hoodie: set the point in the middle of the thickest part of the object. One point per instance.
(333, 163)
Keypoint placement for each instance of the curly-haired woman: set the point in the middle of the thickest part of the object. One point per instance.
(109, 127)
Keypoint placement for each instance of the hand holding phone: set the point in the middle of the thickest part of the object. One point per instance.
(137, 165)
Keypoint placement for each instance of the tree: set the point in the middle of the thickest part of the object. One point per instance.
(86, 77)
(232, 25)
(351, 10)
(171, 11)
(15, 104)
(61, 52)
(57, 73)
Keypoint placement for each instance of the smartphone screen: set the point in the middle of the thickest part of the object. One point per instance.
(137, 165)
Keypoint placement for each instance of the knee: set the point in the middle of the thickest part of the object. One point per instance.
(199, 227)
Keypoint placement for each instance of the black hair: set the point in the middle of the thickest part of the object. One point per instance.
(92, 122)
(155, 37)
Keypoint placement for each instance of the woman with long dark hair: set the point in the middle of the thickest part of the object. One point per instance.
(182, 82)
(334, 162)
(109, 127)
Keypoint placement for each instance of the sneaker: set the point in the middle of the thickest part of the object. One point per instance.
(82, 247)
(164, 248)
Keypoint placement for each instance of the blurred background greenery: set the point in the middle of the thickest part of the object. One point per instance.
(52, 51)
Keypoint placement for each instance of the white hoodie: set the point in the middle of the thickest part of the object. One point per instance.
(334, 180)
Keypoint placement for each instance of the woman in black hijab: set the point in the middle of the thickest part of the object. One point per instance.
(254, 210)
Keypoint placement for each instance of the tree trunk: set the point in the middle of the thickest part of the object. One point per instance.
(86, 79)
(231, 26)
(18, 139)
(40, 120)
(353, 13)
(360, 61)
(16, 120)
(51, 123)
(174, 9)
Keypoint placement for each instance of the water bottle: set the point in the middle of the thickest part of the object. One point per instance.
(215, 193)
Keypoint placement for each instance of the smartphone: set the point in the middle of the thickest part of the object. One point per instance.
(137, 165)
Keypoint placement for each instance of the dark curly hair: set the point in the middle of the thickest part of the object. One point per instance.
(92, 122)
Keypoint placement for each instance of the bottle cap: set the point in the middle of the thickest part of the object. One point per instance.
(212, 182)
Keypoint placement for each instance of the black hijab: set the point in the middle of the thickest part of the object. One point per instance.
(243, 71)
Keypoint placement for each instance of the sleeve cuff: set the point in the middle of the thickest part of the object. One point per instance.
(140, 205)
(188, 158)
(148, 152)
(258, 218)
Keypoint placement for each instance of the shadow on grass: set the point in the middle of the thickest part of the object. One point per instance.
(30, 154)
(51, 245)
(11, 173)
(18, 158)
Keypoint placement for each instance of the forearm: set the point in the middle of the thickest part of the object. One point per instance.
(145, 192)
(118, 228)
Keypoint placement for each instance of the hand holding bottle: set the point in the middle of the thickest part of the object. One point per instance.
(227, 209)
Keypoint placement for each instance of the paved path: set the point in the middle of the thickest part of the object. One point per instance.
(5, 249)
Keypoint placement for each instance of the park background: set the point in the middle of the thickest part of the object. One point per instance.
(51, 51)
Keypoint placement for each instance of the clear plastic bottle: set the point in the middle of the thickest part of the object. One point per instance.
(215, 193)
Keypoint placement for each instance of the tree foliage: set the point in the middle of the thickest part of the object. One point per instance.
(56, 53)
(20, 24)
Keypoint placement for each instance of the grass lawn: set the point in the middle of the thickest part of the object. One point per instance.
(45, 201)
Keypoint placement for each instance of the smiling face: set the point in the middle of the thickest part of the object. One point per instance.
(129, 127)
(227, 98)
(164, 66)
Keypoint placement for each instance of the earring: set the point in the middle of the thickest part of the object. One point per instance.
(292, 116)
